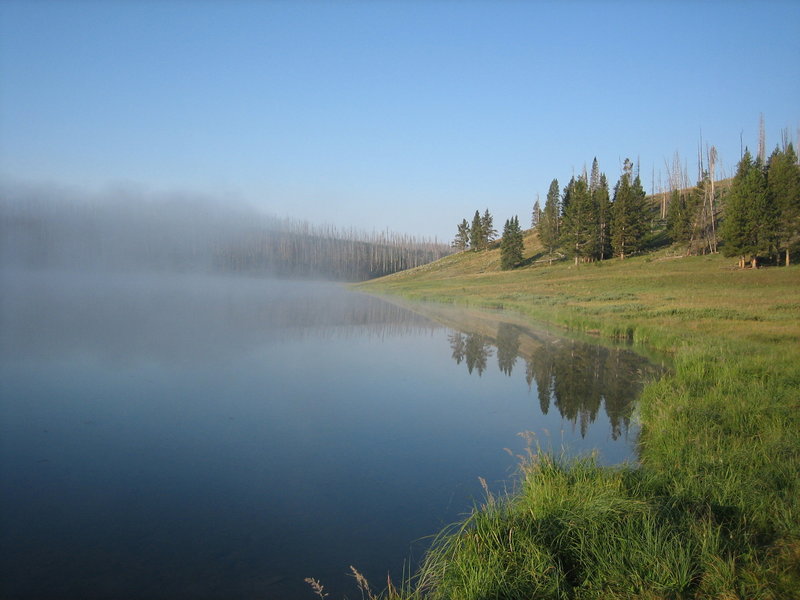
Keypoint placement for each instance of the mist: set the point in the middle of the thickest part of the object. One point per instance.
(127, 229)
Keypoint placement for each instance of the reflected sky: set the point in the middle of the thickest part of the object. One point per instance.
(208, 437)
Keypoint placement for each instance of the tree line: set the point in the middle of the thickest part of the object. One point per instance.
(39, 229)
(755, 216)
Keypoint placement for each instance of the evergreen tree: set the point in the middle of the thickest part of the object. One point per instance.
(628, 215)
(750, 216)
(783, 186)
(537, 214)
(461, 240)
(580, 228)
(549, 223)
(476, 233)
(602, 203)
(512, 244)
(487, 227)
(594, 178)
(679, 218)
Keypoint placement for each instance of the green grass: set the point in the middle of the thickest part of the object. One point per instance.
(713, 508)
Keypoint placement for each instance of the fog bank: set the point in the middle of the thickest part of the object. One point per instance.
(130, 230)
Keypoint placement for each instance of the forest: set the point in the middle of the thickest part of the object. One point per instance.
(754, 216)
(40, 229)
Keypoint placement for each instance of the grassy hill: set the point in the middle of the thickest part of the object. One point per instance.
(713, 509)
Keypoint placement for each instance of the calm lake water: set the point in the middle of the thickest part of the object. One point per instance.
(186, 436)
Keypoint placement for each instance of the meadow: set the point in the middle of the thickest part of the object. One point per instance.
(712, 509)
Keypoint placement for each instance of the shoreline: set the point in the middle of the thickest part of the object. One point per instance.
(718, 447)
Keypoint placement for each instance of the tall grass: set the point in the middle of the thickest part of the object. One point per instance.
(712, 510)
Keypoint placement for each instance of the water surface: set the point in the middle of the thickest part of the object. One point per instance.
(188, 436)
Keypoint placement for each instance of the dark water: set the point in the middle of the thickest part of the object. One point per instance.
(201, 437)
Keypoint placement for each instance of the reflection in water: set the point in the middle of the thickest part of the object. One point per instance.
(576, 377)
(188, 436)
(507, 347)
(134, 318)
(473, 348)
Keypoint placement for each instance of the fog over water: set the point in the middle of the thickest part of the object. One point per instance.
(180, 432)
(126, 229)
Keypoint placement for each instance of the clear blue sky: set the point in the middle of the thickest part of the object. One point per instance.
(400, 115)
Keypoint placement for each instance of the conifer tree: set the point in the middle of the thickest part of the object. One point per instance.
(548, 224)
(783, 186)
(750, 217)
(580, 228)
(602, 204)
(628, 216)
(476, 233)
(487, 228)
(594, 178)
(461, 240)
(512, 244)
(537, 213)
(679, 218)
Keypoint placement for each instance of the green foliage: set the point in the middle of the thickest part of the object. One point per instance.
(629, 216)
(580, 230)
(679, 217)
(783, 187)
(461, 240)
(751, 218)
(536, 214)
(602, 206)
(512, 244)
(487, 228)
(549, 223)
(476, 236)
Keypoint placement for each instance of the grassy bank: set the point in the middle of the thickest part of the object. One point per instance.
(713, 511)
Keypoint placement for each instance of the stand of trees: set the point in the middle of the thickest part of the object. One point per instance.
(757, 218)
(587, 224)
(190, 234)
(762, 212)
(476, 236)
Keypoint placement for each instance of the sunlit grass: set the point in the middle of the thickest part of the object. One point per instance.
(713, 508)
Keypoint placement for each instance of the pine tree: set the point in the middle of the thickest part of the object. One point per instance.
(548, 224)
(537, 213)
(476, 233)
(783, 186)
(487, 227)
(679, 218)
(750, 217)
(512, 244)
(628, 215)
(580, 228)
(594, 178)
(602, 204)
(461, 240)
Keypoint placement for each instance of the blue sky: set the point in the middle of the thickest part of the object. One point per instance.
(399, 115)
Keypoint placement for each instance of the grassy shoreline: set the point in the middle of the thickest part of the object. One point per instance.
(713, 509)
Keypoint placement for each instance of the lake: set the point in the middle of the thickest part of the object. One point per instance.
(192, 436)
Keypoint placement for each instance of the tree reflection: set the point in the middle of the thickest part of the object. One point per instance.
(477, 352)
(458, 345)
(581, 380)
(507, 347)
